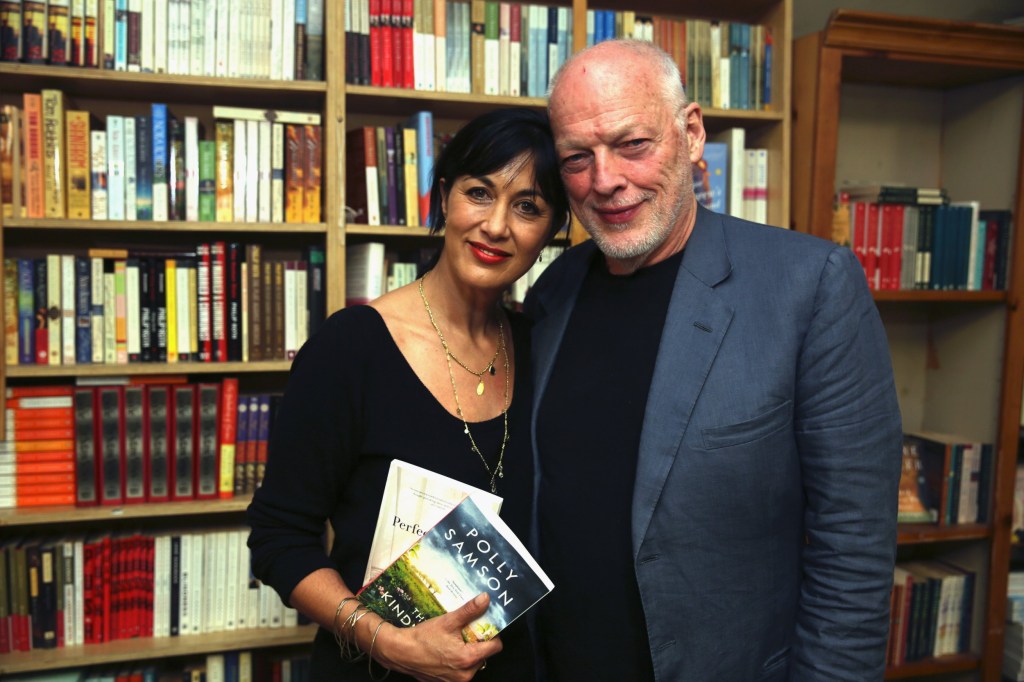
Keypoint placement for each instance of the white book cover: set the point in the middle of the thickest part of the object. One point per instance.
(301, 305)
(53, 316)
(67, 308)
(197, 588)
(185, 578)
(109, 319)
(209, 57)
(273, 115)
(277, 173)
(184, 35)
(735, 139)
(210, 585)
(115, 167)
(290, 312)
(66, 556)
(440, 44)
(160, 36)
(761, 186)
(240, 579)
(162, 586)
(229, 578)
(234, 31)
(288, 42)
(414, 500)
(220, 581)
(223, 38)
(515, 55)
(173, 26)
(191, 168)
(97, 183)
(134, 313)
(364, 272)
(96, 308)
(418, 57)
(197, 36)
(79, 598)
(504, 48)
(238, 172)
(147, 42)
(277, 38)
(130, 170)
(264, 170)
(252, 170)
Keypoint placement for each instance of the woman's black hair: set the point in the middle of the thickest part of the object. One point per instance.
(489, 143)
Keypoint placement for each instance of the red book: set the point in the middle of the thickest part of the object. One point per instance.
(262, 438)
(159, 442)
(859, 211)
(38, 391)
(135, 442)
(110, 455)
(33, 140)
(898, 211)
(203, 305)
(228, 437)
(207, 460)
(252, 443)
(183, 460)
(376, 44)
(871, 246)
(991, 253)
(27, 414)
(218, 301)
(387, 44)
(30, 423)
(39, 433)
(408, 69)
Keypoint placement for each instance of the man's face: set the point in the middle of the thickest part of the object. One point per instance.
(625, 156)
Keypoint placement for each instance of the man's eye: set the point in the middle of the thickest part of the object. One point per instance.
(574, 163)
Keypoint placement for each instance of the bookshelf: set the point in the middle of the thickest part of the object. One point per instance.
(923, 102)
(342, 107)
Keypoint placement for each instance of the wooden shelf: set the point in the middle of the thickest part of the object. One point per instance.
(35, 516)
(914, 296)
(402, 102)
(167, 226)
(153, 649)
(921, 533)
(388, 230)
(161, 87)
(144, 368)
(954, 663)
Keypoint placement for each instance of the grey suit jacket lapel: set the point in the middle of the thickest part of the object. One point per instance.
(695, 325)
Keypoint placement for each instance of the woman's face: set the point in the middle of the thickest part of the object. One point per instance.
(495, 225)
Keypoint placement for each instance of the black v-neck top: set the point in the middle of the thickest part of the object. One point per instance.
(352, 405)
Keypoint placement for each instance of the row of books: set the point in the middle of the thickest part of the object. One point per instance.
(133, 442)
(389, 171)
(931, 610)
(944, 246)
(733, 179)
(217, 303)
(724, 64)
(1013, 638)
(481, 46)
(90, 589)
(231, 666)
(260, 166)
(276, 39)
(946, 479)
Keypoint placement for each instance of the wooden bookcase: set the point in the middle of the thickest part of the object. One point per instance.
(884, 98)
(343, 107)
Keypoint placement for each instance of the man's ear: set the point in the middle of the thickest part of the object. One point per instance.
(696, 136)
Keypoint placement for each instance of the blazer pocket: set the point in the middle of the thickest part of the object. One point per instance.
(750, 430)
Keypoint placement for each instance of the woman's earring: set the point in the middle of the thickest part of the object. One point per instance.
(540, 257)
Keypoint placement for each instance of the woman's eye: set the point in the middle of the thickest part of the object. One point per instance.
(477, 193)
(529, 208)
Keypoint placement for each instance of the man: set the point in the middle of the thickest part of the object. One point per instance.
(717, 434)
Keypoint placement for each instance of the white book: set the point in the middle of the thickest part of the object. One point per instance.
(264, 170)
(210, 586)
(197, 36)
(277, 173)
(96, 308)
(130, 170)
(162, 586)
(429, 47)
(245, 39)
(252, 170)
(220, 581)
(240, 579)
(973, 262)
(173, 39)
(160, 36)
(418, 57)
(276, 37)
(288, 43)
(199, 591)
(235, 32)
(147, 36)
(414, 500)
(223, 38)
(184, 35)
(735, 139)
(109, 319)
(115, 167)
(760, 186)
(290, 311)
(364, 272)
(53, 307)
(504, 48)
(273, 115)
(209, 58)
(98, 167)
(515, 57)
(134, 313)
(229, 579)
(215, 671)
(301, 305)
(238, 172)
(185, 578)
(191, 168)
(440, 38)
(67, 308)
(79, 596)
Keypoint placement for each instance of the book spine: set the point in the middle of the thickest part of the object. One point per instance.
(115, 168)
(85, 448)
(225, 135)
(191, 168)
(130, 170)
(227, 437)
(83, 310)
(98, 174)
(208, 456)
(160, 442)
(78, 166)
(34, 173)
(207, 181)
(143, 168)
(134, 444)
(183, 467)
(160, 162)
(110, 421)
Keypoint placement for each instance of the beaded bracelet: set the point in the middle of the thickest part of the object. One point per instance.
(369, 662)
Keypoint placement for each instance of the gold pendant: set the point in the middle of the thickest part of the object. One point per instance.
(480, 387)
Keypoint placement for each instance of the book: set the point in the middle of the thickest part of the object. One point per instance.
(414, 500)
(470, 551)
(710, 177)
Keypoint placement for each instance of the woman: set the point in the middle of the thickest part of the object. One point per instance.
(402, 379)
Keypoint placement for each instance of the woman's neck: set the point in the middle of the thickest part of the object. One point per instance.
(459, 306)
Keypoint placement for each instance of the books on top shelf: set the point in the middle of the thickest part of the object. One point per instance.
(414, 500)
(470, 551)
(278, 41)
(221, 301)
(254, 165)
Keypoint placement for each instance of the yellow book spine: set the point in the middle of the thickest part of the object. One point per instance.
(54, 154)
(225, 139)
(78, 166)
(171, 270)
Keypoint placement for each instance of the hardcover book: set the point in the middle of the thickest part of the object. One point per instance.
(469, 551)
(414, 500)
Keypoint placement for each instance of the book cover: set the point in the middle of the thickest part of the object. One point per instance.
(414, 500)
(85, 448)
(710, 176)
(110, 425)
(469, 551)
(134, 444)
(159, 412)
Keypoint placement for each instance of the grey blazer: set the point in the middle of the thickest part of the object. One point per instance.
(764, 507)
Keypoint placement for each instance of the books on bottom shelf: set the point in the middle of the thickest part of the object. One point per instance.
(931, 612)
(470, 551)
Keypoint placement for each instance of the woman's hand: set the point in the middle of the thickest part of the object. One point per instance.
(434, 650)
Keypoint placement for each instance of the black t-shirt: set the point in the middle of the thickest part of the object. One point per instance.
(592, 625)
(352, 405)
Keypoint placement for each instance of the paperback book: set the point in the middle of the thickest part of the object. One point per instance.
(414, 500)
(470, 551)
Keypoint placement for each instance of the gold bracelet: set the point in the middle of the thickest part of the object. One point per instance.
(339, 638)
(369, 656)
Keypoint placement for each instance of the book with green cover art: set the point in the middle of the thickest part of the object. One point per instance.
(468, 552)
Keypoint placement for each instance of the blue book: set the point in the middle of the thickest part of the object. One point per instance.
(159, 180)
(766, 97)
(710, 176)
(83, 310)
(26, 312)
(143, 168)
(121, 35)
(423, 122)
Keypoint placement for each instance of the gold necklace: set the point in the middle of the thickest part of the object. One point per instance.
(499, 469)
